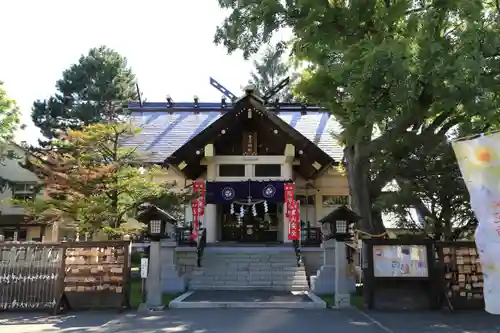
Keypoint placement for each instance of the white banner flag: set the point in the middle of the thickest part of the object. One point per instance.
(479, 162)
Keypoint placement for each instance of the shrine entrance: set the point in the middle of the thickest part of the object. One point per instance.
(244, 223)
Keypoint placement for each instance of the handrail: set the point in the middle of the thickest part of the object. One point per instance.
(183, 236)
(311, 236)
(201, 246)
(296, 246)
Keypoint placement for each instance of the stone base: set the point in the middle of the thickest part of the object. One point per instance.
(171, 282)
(183, 302)
(342, 301)
(324, 281)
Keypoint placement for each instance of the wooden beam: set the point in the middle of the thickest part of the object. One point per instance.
(176, 170)
(289, 153)
(209, 152)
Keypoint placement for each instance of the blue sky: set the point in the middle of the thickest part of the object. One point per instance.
(168, 43)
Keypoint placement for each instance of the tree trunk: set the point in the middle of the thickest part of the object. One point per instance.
(358, 174)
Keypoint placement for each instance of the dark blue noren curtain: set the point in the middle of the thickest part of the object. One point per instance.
(272, 191)
(226, 192)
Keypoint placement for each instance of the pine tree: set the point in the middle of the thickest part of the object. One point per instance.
(269, 70)
(90, 91)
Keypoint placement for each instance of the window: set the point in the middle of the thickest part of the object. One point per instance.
(335, 200)
(23, 191)
(15, 234)
(231, 170)
(267, 170)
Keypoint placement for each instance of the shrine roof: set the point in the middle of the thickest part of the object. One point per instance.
(165, 129)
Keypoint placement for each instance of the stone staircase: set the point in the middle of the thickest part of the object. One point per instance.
(249, 269)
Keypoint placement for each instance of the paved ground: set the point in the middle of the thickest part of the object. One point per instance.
(252, 321)
(246, 296)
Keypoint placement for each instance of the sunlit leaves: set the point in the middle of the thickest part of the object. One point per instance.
(9, 121)
(95, 183)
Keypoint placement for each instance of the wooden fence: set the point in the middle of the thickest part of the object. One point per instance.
(80, 275)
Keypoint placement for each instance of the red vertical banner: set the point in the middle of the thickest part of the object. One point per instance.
(198, 206)
(195, 210)
(294, 221)
(201, 198)
(289, 190)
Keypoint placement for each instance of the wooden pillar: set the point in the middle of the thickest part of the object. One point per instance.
(318, 207)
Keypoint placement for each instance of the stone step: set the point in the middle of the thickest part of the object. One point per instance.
(257, 266)
(214, 284)
(266, 259)
(277, 288)
(212, 261)
(242, 271)
(250, 277)
(249, 271)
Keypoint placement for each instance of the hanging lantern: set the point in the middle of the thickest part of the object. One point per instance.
(254, 210)
(265, 207)
(242, 211)
(232, 209)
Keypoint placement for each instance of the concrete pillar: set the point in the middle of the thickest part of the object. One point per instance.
(286, 173)
(342, 289)
(153, 282)
(210, 222)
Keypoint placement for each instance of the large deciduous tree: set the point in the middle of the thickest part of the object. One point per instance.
(397, 75)
(92, 183)
(90, 91)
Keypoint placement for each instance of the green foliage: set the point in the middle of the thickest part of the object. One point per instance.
(269, 71)
(90, 91)
(399, 76)
(92, 183)
(9, 121)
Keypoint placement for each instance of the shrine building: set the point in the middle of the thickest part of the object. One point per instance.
(248, 155)
(246, 149)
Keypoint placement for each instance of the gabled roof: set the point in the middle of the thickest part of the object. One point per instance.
(165, 130)
(341, 213)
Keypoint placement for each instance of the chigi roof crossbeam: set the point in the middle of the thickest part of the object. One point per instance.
(223, 106)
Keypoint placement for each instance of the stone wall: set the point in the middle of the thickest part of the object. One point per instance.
(186, 260)
(313, 259)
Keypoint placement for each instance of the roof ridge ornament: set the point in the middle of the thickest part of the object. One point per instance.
(222, 89)
(276, 89)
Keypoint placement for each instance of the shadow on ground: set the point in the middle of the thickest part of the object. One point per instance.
(438, 322)
(197, 321)
(253, 321)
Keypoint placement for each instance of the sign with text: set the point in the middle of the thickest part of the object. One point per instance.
(250, 143)
(400, 261)
(144, 268)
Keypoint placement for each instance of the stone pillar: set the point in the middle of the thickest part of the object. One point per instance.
(210, 222)
(55, 232)
(171, 281)
(153, 282)
(324, 281)
(342, 290)
(287, 174)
